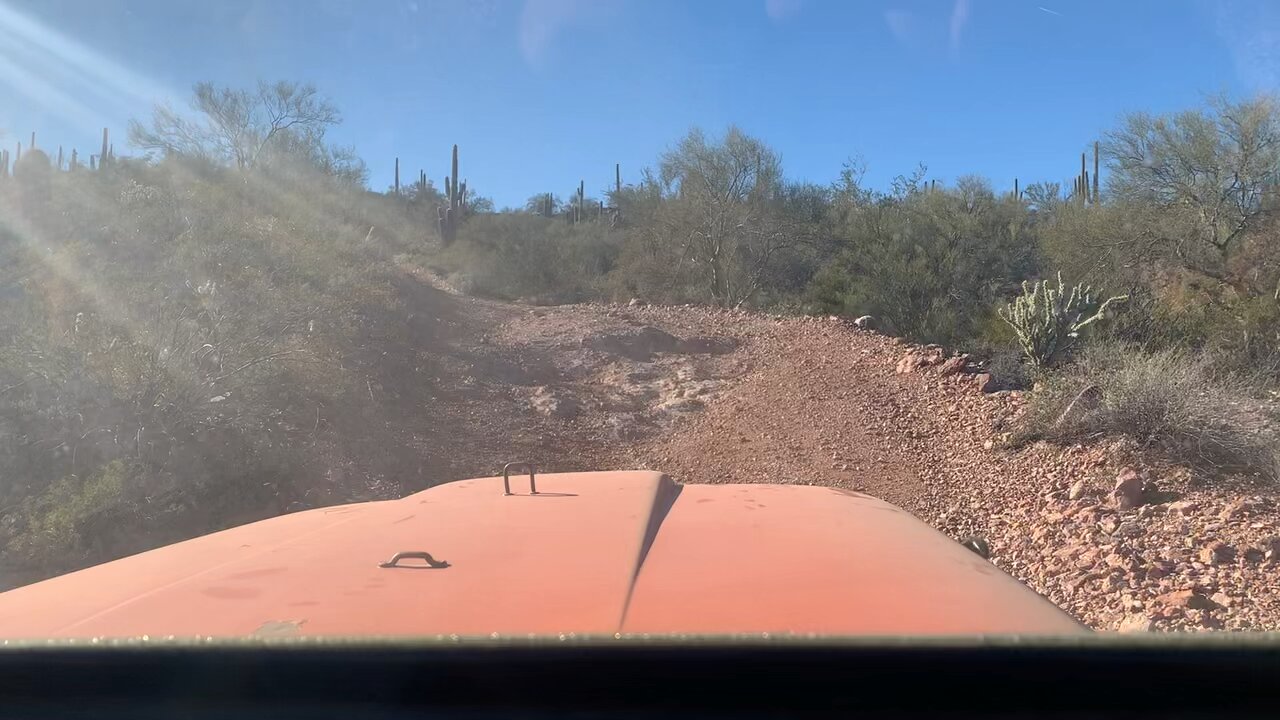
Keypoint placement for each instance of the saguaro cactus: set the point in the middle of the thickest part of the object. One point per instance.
(106, 150)
(456, 194)
(397, 176)
(1096, 195)
(1049, 320)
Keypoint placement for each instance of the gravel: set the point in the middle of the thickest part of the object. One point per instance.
(820, 401)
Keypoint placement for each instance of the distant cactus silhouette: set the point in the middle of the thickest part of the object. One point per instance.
(448, 218)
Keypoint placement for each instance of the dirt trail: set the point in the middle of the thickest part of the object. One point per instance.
(713, 396)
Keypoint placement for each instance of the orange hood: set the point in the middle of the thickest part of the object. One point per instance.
(610, 552)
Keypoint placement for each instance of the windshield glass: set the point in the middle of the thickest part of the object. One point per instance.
(845, 318)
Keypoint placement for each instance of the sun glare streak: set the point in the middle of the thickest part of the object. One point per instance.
(109, 306)
(45, 95)
(51, 69)
(41, 75)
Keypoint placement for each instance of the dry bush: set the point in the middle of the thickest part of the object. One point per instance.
(524, 256)
(1177, 402)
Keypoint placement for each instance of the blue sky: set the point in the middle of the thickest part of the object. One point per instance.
(542, 93)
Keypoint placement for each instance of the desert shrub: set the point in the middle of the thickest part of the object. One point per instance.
(1242, 334)
(928, 264)
(524, 256)
(1175, 401)
(58, 529)
(200, 337)
(655, 272)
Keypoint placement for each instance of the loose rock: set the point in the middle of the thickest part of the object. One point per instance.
(1077, 490)
(1127, 493)
(1136, 623)
(1216, 554)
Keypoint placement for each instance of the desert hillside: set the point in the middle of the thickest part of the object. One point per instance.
(225, 322)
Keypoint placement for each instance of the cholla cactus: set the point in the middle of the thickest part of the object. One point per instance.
(1048, 320)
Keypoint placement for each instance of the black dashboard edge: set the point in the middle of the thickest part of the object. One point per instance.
(965, 678)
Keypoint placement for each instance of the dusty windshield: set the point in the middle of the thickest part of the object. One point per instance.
(764, 275)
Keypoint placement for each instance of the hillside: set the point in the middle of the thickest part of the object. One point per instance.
(235, 326)
(460, 385)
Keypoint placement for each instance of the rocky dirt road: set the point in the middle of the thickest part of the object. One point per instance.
(712, 396)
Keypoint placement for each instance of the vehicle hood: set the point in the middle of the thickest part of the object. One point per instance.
(590, 553)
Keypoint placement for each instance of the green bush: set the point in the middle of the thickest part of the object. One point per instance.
(1175, 401)
(64, 526)
(928, 264)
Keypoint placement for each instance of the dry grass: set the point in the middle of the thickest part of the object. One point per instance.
(1176, 402)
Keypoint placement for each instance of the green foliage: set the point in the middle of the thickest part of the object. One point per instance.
(1047, 320)
(717, 210)
(928, 264)
(61, 525)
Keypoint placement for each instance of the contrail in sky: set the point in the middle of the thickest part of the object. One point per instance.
(1051, 12)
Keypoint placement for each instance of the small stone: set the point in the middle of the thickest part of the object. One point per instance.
(1127, 493)
(1184, 507)
(1135, 623)
(548, 403)
(983, 382)
(1077, 490)
(1233, 511)
(1209, 621)
(1271, 549)
(1222, 599)
(1128, 528)
(1185, 599)
(1217, 553)
(910, 363)
(1116, 560)
(952, 366)
(635, 302)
